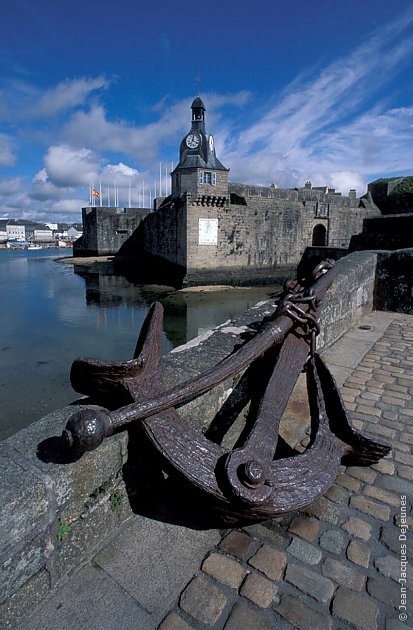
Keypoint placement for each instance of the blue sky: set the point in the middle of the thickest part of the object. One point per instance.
(99, 93)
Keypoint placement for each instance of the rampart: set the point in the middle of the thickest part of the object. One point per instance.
(105, 230)
(54, 514)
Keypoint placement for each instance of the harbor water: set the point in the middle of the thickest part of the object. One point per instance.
(51, 313)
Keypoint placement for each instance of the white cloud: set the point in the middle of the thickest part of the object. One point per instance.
(66, 166)
(65, 96)
(307, 133)
(7, 150)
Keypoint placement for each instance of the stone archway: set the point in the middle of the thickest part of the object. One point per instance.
(319, 235)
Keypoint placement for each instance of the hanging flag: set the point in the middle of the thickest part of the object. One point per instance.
(95, 193)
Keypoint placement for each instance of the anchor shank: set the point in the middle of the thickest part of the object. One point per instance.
(271, 334)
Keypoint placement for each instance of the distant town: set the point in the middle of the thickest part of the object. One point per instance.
(24, 234)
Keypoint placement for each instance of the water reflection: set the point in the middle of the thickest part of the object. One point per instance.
(187, 313)
(51, 313)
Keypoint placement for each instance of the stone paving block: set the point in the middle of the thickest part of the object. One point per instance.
(357, 527)
(384, 592)
(392, 417)
(337, 494)
(164, 555)
(382, 495)
(259, 590)
(174, 622)
(390, 567)
(407, 521)
(356, 609)
(381, 431)
(268, 535)
(302, 550)
(245, 618)
(349, 482)
(203, 601)
(364, 474)
(304, 526)
(90, 599)
(393, 387)
(397, 400)
(405, 471)
(325, 510)
(334, 540)
(406, 437)
(301, 615)
(224, 569)
(238, 544)
(369, 410)
(309, 582)
(343, 574)
(358, 553)
(398, 486)
(368, 395)
(384, 466)
(269, 561)
(376, 510)
(383, 377)
(400, 446)
(390, 537)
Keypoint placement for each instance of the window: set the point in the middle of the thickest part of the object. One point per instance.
(206, 177)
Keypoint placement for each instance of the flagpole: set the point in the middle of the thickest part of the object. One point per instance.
(100, 192)
(129, 199)
(160, 179)
(143, 193)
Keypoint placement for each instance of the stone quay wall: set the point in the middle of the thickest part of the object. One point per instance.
(105, 230)
(54, 514)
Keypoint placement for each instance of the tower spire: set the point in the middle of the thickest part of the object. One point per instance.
(198, 80)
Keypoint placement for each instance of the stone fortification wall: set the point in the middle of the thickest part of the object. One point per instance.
(268, 231)
(388, 232)
(105, 230)
(164, 234)
(262, 232)
(394, 281)
(292, 194)
(54, 513)
(393, 195)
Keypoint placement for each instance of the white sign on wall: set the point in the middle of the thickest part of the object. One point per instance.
(208, 231)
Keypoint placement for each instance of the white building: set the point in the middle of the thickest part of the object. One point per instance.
(73, 233)
(43, 235)
(16, 232)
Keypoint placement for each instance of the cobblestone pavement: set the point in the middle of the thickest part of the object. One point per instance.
(340, 563)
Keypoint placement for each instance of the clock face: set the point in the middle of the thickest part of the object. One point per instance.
(211, 143)
(192, 140)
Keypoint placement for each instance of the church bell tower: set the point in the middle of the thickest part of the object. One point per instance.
(199, 171)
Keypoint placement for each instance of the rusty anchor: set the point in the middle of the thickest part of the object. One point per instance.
(253, 481)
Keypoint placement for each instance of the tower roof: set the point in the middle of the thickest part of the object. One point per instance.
(198, 102)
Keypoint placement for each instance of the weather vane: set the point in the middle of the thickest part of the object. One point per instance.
(198, 80)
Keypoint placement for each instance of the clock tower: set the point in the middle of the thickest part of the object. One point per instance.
(199, 171)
